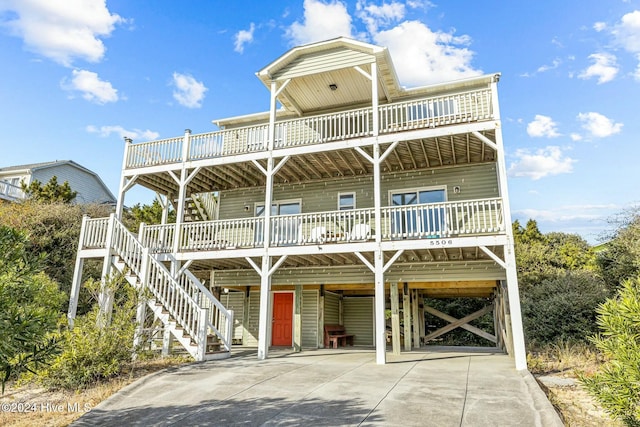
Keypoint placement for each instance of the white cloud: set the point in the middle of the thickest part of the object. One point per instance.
(604, 67)
(188, 91)
(598, 125)
(243, 37)
(374, 16)
(422, 56)
(135, 134)
(544, 162)
(555, 64)
(575, 137)
(599, 26)
(627, 31)
(92, 88)
(542, 126)
(61, 30)
(322, 21)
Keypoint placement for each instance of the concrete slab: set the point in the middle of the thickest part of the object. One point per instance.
(434, 386)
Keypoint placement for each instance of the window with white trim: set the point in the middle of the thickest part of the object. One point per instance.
(346, 201)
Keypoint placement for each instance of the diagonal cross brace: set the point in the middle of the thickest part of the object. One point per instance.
(459, 323)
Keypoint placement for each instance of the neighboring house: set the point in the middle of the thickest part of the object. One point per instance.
(86, 183)
(380, 198)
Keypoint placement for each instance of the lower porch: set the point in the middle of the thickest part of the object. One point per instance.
(414, 314)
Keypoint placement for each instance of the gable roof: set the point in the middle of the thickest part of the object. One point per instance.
(330, 74)
(333, 74)
(31, 167)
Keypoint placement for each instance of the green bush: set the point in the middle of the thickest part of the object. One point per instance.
(562, 307)
(617, 384)
(29, 308)
(93, 351)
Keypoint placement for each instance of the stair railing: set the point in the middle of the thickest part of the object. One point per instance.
(219, 319)
(164, 288)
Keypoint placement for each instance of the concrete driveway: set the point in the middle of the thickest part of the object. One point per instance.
(441, 387)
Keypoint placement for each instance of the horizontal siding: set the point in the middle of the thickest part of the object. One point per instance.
(358, 319)
(475, 182)
(320, 62)
(331, 308)
(253, 318)
(88, 187)
(235, 301)
(477, 270)
(310, 319)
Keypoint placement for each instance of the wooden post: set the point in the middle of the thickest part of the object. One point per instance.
(406, 311)
(416, 318)
(320, 339)
(297, 319)
(395, 319)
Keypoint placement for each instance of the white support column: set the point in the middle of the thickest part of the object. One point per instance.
(374, 99)
(123, 180)
(77, 277)
(381, 341)
(264, 322)
(519, 351)
(181, 191)
(105, 299)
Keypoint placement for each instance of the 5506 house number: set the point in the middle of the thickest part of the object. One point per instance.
(441, 242)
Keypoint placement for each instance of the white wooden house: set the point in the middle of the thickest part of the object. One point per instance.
(88, 185)
(380, 196)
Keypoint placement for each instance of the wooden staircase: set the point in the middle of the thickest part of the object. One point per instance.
(188, 310)
(200, 207)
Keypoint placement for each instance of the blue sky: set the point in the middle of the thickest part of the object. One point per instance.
(79, 75)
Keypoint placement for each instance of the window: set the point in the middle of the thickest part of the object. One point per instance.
(284, 230)
(419, 221)
(346, 201)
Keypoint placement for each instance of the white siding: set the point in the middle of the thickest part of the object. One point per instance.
(310, 319)
(359, 320)
(319, 62)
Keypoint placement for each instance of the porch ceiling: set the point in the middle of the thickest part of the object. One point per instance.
(408, 155)
(350, 259)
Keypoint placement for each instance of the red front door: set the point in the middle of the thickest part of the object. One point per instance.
(282, 326)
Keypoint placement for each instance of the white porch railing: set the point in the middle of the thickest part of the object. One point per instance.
(9, 191)
(447, 219)
(427, 112)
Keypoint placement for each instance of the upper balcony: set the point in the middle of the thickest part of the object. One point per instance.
(465, 106)
(448, 231)
(10, 191)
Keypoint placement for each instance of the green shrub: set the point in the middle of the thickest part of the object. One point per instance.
(91, 352)
(562, 307)
(29, 304)
(617, 384)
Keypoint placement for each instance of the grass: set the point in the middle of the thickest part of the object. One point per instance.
(564, 361)
(28, 404)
